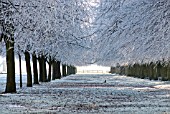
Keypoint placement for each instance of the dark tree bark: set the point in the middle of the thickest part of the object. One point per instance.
(28, 68)
(142, 71)
(72, 70)
(137, 70)
(164, 71)
(58, 70)
(68, 70)
(168, 70)
(44, 70)
(158, 72)
(64, 70)
(40, 69)
(35, 71)
(1, 38)
(10, 84)
(49, 70)
(20, 70)
(54, 74)
(75, 70)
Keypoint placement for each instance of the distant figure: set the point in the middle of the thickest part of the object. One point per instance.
(105, 81)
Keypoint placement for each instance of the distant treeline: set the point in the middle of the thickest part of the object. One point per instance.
(159, 70)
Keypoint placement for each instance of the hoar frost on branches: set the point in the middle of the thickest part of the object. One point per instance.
(98, 31)
(133, 31)
(49, 27)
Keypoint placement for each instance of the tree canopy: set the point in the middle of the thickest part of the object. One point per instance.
(89, 31)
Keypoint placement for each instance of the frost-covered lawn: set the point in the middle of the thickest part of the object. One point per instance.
(100, 94)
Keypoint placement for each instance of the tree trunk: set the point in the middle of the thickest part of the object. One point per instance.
(20, 70)
(154, 71)
(28, 68)
(145, 70)
(44, 70)
(164, 71)
(151, 70)
(49, 70)
(54, 74)
(168, 71)
(64, 70)
(138, 70)
(40, 69)
(35, 71)
(158, 72)
(142, 71)
(58, 70)
(68, 70)
(10, 84)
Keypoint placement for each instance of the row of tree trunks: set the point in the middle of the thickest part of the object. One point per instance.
(10, 61)
(71, 70)
(55, 65)
(153, 71)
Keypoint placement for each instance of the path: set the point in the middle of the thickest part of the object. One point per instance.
(100, 94)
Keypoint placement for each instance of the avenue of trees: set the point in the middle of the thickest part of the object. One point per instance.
(42, 31)
(130, 35)
(134, 37)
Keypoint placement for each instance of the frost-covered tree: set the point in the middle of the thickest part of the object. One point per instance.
(7, 34)
(132, 31)
(48, 29)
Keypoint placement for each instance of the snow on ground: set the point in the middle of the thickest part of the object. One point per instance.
(97, 94)
(3, 81)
